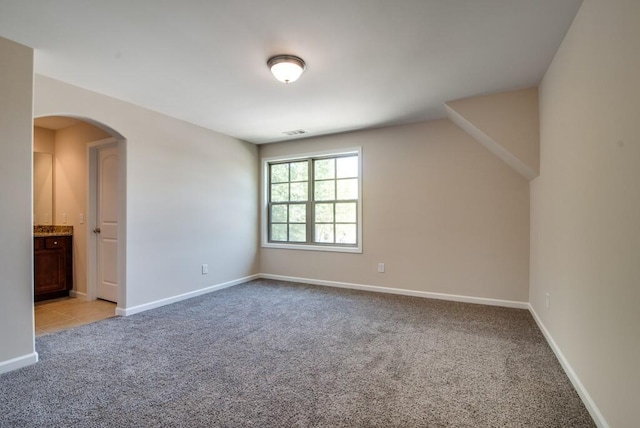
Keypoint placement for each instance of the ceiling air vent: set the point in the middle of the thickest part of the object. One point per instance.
(295, 132)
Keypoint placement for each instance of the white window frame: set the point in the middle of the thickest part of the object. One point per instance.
(264, 197)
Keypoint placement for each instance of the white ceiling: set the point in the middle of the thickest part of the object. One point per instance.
(370, 63)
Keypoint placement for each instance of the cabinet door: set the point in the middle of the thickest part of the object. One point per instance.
(53, 267)
(50, 271)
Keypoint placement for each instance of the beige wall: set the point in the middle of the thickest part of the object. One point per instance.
(191, 195)
(440, 210)
(16, 228)
(70, 190)
(44, 140)
(585, 205)
(507, 123)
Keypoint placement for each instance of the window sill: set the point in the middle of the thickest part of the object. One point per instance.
(304, 247)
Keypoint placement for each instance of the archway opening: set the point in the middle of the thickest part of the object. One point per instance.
(81, 191)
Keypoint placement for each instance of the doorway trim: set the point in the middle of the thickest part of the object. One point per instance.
(92, 202)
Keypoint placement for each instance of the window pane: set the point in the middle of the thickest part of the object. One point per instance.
(297, 233)
(345, 233)
(280, 173)
(347, 167)
(324, 169)
(348, 189)
(324, 213)
(280, 192)
(297, 213)
(278, 232)
(300, 171)
(325, 190)
(324, 233)
(299, 191)
(346, 212)
(279, 214)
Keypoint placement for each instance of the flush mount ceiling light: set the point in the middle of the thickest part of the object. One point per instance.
(286, 68)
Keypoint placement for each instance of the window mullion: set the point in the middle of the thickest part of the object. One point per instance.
(288, 202)
(269, 223)
(335, 195)
(310, 204)
(270, 204)
(334, 218)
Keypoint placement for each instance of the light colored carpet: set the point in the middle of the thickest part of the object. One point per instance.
(269, 353)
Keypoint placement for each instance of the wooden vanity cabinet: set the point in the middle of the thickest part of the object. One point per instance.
(53, 266)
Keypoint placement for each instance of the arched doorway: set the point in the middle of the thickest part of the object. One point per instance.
(75, 143)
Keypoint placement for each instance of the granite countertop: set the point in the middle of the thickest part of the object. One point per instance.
(47, 230)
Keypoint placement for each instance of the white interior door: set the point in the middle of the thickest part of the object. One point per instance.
(107, 223)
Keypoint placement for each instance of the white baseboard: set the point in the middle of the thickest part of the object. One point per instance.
(441, 296)
(595, 413)
(403, 292)
(78, 295)
(162, 302)
(18, 363)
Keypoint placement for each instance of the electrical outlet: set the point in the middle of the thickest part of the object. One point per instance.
(64, 218)
(205, 269)
(81, 218)
(548, 300)
(381, 267)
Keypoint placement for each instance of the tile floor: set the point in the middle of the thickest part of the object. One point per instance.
(60, 314)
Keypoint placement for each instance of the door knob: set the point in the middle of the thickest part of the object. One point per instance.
(96, 230)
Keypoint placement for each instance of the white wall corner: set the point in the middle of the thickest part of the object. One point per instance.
(78, 295)
(18, 362)
(493, 146)
(593, 410)
(174, 299)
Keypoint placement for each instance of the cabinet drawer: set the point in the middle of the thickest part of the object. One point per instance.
(54, 242)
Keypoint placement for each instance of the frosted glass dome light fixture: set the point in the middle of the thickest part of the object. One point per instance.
(286, 68)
